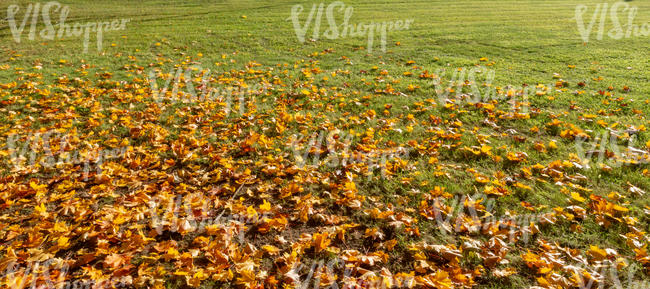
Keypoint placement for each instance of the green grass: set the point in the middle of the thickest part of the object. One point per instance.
(529, 40)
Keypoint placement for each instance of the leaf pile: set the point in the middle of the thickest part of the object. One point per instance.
(205, 195)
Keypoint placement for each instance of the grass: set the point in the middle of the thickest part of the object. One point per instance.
(522, 42)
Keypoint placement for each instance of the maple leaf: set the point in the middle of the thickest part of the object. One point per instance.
(321, 241)
(439, 280)
(597, 253)
(115, 261)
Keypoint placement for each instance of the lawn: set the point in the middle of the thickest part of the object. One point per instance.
(491, 144)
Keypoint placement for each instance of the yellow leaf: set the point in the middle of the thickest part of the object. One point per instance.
(577, 197)
(272, 250)
(265, 206)
(41, 209)
(597, 253)
(63, 242)
(321, 241)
